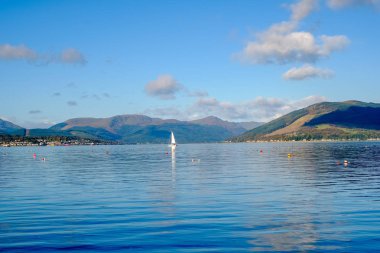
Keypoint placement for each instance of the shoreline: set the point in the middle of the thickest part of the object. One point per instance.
(313, 141)
(6, 145)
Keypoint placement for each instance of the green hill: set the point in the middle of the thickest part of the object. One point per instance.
(327, 120)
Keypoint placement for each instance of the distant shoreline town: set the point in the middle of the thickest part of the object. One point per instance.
(16, 141)
(57, 141)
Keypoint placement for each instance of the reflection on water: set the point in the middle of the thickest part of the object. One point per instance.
(173, 164)
(202, 197)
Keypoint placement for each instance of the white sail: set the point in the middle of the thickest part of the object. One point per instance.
(172, 142)
(172, 139)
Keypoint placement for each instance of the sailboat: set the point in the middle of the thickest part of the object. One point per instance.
(173, 145)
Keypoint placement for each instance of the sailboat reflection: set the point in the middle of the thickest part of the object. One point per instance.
(173, 165)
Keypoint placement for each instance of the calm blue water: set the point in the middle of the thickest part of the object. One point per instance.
(233, 199)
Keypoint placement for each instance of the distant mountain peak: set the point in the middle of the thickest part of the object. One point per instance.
(210, 120)
(353, 102)
(213, 117)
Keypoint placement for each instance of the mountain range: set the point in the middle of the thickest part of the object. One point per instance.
(328, 120)
(137, 129)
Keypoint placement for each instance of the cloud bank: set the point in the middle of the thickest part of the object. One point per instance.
(259, 109)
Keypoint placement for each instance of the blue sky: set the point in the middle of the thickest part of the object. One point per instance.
(239, 60)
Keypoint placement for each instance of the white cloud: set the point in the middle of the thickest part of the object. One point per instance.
(164, 87)
(258, 109)
(337, 4)
(303, 8)
(307, 71)
(333, 43)
(72, 56)
(283, 43)
(21, 52)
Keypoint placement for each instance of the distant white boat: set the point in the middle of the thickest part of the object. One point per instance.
(173, 144)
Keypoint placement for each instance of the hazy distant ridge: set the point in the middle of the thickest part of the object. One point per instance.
(143, 129)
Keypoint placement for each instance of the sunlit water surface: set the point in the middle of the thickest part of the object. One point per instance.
(205, 198)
